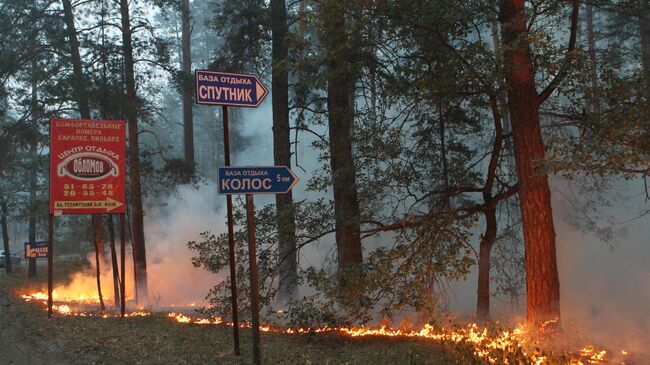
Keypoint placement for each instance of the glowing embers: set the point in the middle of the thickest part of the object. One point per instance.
(594, 356)
(182, 318)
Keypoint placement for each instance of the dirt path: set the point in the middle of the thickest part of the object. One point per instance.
(25, 338)
(16, 348)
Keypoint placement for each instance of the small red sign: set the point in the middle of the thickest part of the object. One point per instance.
(87, 166)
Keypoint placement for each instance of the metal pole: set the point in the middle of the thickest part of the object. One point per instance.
(122, 264)
(252, 260)
(50, 258)
(231, 236)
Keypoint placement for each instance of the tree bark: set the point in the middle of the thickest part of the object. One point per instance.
(485, 249)
(99, 283)
(79, 81)
(5, 235)
(188, 124)
(137, 213)
(542, 282)
(98, 240)
(33, 177)
(31, 262)
(341, 119)
(103, 102)
(489, 211)
(116, 275)
(287, 255)
(98, 235)
(79, 86)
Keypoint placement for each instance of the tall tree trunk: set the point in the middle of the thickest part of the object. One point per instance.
(33, 177)
(489, 211)
(188, 126)
(31, 235)
(542, 282)
(341, 119)
(99, 283)
(103, 98)
(5, 235)
(98, 235)
(287, 256)
(103, 102)
(79, 85)
(485, 249)
(116, 275)
(79, 81)
(137, 214)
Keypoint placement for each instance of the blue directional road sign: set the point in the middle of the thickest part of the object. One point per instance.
(221, 88)
(36, 250)
(256, 180)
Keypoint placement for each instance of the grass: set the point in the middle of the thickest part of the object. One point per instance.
(158, 340)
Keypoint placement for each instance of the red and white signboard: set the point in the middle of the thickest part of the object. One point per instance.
(87, 166)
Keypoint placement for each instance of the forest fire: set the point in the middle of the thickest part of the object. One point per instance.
(487, 345)
(79, 299)
(448, 162)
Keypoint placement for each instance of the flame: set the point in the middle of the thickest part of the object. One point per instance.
(594, 356)
(486, 344)
(138, 314)
(62, 309)
(35, 296)
(181, 318)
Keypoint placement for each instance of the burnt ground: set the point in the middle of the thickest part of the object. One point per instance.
(28, 337)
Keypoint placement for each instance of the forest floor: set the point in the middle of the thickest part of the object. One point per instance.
(27, 336)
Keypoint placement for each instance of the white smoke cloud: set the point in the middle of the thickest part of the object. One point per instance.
(172, 277)
(605, 288)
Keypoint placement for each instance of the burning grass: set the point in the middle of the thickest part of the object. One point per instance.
(470, 342)
(155, 339)
(182, 338)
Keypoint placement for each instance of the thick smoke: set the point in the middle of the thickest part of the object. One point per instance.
(172, 278)
(605, 286)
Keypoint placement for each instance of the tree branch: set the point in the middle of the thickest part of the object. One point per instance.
(568, 57)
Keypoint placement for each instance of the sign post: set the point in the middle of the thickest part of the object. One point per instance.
(87, 174)
(50, 261)
(231, 237)
(123, 264)
(250, 180)
(229, 89)
(252, 262)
